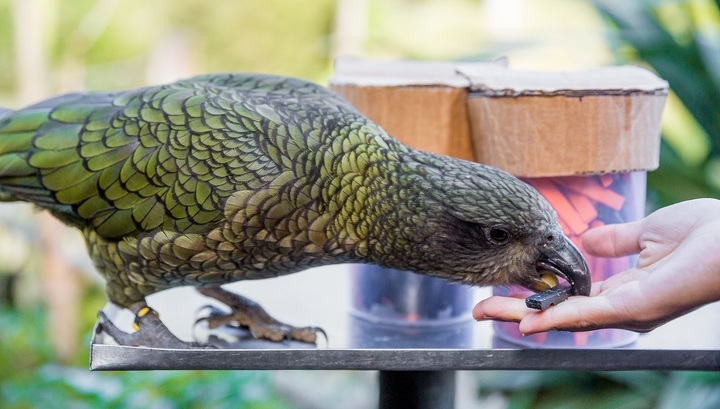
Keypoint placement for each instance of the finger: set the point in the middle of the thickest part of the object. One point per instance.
(501, 309)
(575, 314)
(613, 240)
(618, 280)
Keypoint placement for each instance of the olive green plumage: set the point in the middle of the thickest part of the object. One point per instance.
(229, 177)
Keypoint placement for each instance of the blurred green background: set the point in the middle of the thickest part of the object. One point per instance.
(52, 46)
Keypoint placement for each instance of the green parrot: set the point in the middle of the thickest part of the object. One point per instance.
(228, 177)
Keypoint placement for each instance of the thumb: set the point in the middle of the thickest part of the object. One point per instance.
(613, 240)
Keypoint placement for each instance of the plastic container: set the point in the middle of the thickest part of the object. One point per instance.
(386, 296)
(399, 309)
(584, 202)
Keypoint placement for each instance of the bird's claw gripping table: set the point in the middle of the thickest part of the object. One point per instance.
(418, 363)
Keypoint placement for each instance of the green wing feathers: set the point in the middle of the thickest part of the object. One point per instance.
(160, 157)
(204, 181)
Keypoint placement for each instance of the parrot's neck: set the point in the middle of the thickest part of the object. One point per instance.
(396, 207)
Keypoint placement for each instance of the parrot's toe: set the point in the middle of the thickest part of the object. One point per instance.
(308, 334)
(149, 331)
(250, 315)
(263, 326)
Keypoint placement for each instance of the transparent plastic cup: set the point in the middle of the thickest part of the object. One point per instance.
(584, 202)
(395, 308)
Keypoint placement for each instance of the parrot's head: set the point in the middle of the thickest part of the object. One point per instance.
(487, 227)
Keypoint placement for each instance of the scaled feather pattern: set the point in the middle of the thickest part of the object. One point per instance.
(229, 177)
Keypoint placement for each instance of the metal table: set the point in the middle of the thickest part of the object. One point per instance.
(419, 362)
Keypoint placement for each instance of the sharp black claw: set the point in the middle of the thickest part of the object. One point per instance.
(209, 313)
(287, 333)
(102, 318)
(99, 325)
(319, 330)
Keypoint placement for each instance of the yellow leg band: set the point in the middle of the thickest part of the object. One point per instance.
(143, 312)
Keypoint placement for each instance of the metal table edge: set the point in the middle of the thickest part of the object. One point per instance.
(113, 357)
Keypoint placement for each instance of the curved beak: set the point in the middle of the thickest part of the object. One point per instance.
(566, 261)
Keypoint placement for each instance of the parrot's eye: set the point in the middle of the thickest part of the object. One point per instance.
(499, 235)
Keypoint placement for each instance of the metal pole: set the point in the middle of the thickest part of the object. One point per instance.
(417, 389)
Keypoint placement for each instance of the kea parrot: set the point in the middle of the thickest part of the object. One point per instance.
(228, 177)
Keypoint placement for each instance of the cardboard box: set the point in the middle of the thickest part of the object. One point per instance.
(531, 124)
(432, 119)
(537, 124)
(423, 104)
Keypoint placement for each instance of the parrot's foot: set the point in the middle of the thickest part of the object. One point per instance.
(150, 331)
(249, 314)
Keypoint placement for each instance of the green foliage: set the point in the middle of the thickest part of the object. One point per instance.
(282, 37)
(6, 41)
(55, 386)
(680, 40)
(604, 390)
(23, 344)
(693, 390)
(29, 379)
(114, 44)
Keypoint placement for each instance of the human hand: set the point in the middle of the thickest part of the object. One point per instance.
(678, 270)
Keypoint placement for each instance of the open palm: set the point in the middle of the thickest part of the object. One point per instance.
(678, 270)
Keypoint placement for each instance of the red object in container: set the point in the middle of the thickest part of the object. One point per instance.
(584, 202)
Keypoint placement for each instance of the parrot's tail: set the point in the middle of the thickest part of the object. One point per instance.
(16, 131)
(5, 197)
(19, 180)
